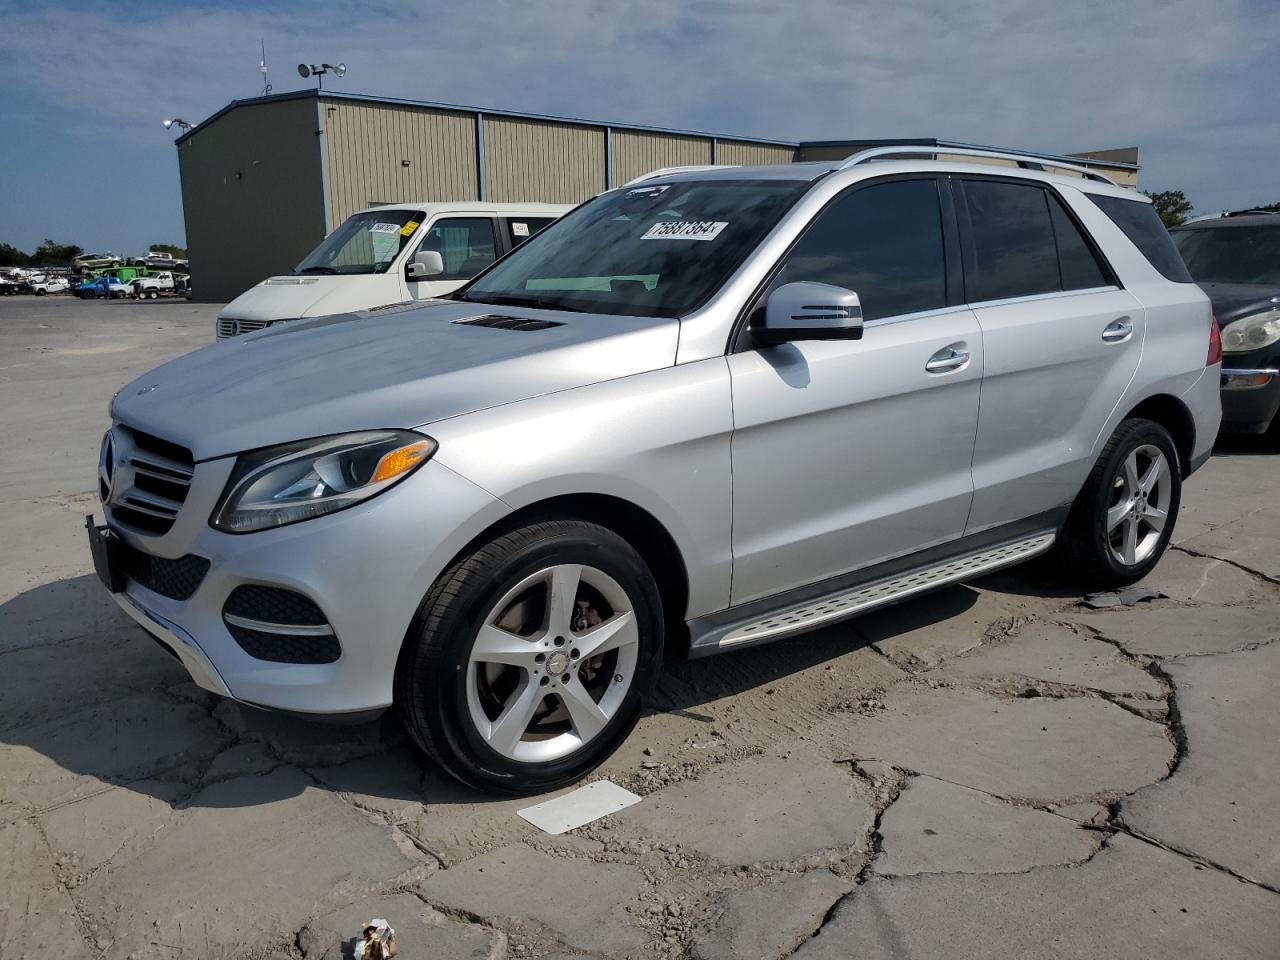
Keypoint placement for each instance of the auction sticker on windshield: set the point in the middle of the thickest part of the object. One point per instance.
(685, 230)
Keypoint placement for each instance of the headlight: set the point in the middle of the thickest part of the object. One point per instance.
(298, 481)
(1251, 333)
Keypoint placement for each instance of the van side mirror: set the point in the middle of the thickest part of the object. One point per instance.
(426, 263)
(809, 311)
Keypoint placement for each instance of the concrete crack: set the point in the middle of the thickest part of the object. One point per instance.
(1235, 563)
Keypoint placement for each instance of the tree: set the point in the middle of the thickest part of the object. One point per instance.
(1172, 205)
(172, 249)
(11, 256)
(56, 253)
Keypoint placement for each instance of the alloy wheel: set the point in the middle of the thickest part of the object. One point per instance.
(552, 662)
(1141, 494)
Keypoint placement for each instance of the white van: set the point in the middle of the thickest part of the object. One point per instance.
(389, 254)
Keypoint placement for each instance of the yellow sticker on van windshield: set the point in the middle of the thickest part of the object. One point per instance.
(408, 228)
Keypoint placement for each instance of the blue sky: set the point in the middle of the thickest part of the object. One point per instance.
(83, 86)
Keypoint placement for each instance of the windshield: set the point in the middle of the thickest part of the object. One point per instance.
(653, 250)
(365, 243)
(1231, 254)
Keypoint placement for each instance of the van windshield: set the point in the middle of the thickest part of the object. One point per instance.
(366, 242)
(651, 250)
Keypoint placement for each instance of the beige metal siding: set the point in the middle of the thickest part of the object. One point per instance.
(538, 161)
(252, 195)
(636, 152)
(365, 145)
(747, 154)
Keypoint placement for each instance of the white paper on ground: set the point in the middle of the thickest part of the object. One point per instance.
(583, 805)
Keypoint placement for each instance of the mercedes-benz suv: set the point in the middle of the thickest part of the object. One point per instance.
(712, 408)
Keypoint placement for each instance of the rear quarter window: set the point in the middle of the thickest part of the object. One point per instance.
(1140, 223)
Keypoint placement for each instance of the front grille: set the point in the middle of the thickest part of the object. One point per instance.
(233, 327)
(176, 579)
(149, 479)
(278, 625)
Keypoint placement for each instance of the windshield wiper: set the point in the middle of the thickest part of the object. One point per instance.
(542, 303)
(318, 270)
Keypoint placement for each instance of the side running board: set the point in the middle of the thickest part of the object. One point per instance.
(851, 601)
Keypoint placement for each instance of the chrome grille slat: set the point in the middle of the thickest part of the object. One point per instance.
(234, 326)
(162, 468)
(148, 505)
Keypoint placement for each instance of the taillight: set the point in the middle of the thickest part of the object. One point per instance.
(1215, 344)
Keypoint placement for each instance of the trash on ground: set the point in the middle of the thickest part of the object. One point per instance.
(581, 806)
(377, 941)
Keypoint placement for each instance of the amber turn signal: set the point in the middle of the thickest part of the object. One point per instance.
(402, 460)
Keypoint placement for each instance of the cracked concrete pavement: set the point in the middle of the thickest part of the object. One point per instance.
(992, 770)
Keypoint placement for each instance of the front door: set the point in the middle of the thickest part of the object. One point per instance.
(466, 244)
(850, 452)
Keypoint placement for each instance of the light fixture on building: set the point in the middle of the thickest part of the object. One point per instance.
(305, 71)
(170, 121)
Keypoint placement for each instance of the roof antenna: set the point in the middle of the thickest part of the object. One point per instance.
(266, 86)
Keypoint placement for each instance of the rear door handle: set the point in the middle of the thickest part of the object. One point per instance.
(949, 359)
(1118, 330)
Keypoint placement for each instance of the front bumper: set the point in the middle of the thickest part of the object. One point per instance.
(367, 568)
(1250, 398)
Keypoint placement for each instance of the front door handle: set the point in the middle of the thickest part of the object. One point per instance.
(949, 359)
(1118, 330)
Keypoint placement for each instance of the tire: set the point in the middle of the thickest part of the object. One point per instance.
(467, 711)
(1111, 538)
(41, 293)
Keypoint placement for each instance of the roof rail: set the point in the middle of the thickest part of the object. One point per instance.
(1025, 161)
(667, 171)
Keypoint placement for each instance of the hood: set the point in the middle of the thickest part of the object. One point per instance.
(1231, 301)
(290, 297)
(399, 367)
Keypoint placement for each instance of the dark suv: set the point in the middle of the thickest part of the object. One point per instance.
(1236, 260)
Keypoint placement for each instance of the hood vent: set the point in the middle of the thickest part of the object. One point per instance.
(500, 322)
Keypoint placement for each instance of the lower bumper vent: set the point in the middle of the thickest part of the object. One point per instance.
(280, 626)
(176, 579)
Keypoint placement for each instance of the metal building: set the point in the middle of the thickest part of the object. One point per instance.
(264, 180)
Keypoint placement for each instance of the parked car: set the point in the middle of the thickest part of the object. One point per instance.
(1236, 260)
(92, 261)
(47, 285)
(154, 286)
(104, 287)
(160, 260)
(389, 254)
(703, 411)
(8, 287)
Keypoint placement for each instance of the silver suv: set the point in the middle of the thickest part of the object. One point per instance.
(713, 408)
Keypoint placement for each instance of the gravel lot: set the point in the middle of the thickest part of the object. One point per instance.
(995, 770)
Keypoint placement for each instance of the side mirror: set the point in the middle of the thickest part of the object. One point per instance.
(426, 263)
(809, 311)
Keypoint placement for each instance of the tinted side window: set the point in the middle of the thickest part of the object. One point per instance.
(1080, 267)
(1140, 223)
(884, 242)
(465, 243)
(1011, 251)
(520, 229)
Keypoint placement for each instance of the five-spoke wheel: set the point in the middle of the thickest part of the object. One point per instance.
(528, 660)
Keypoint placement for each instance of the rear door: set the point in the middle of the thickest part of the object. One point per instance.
(849, 452)
(1061, 343)
(520, 229)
